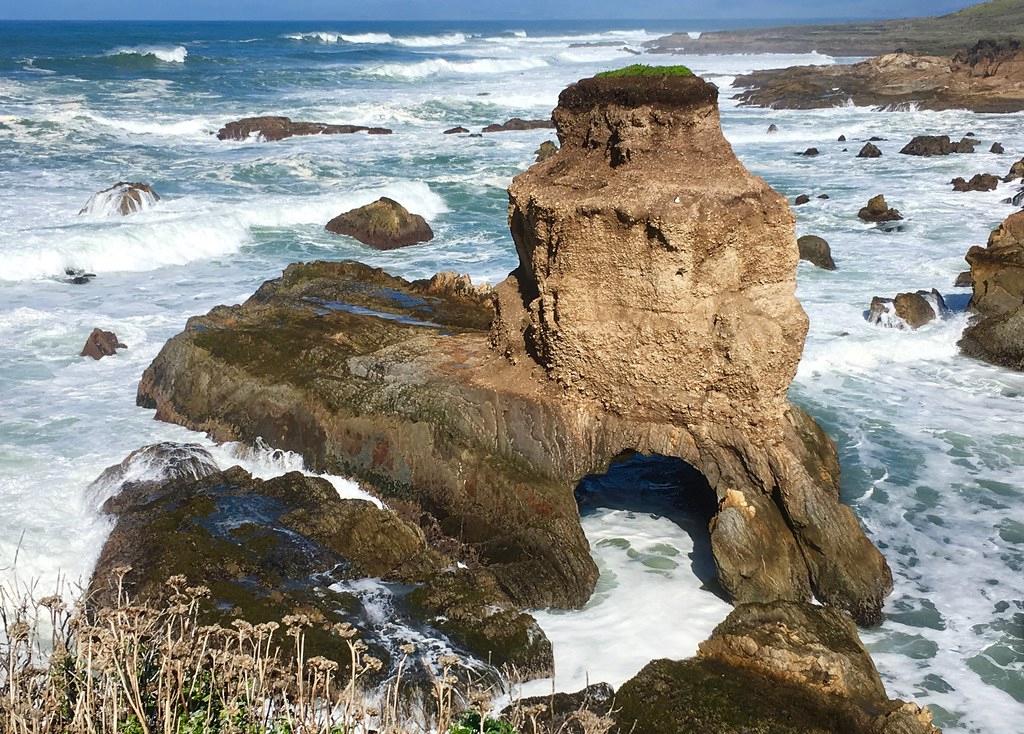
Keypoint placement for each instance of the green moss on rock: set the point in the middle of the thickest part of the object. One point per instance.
(645, 70)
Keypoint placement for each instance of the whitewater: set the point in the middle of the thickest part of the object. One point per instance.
(930, 442)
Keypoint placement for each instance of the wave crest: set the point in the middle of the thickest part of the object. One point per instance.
(167, 54)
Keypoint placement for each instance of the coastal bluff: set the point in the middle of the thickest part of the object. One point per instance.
(650, 312)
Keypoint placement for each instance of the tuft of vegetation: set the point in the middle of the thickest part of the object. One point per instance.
(645, 70)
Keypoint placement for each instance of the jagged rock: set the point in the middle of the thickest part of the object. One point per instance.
(810, 152)
(996, 331)
(997, 148)
(269, 128)
(1017, 199)
(517, 123)
(963, 280)
(929, 145)
(122, 198)
(914, 309)
(842, 138)
(101, 344)
(486, 425)
(784, 668)
(773, 128)
(384, 224)
(815, 250)
(455, 130)
(1016, 171)
(77, 276)
(877, 210)
(870, 150)
(978, 182)
(545, 151)
(566, 713)
(801, 199)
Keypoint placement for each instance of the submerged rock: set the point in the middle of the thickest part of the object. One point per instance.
(810, 152)
(870, 150)
(815, 250)
(978, 182)
(930, 145)
(517, 123)
(773, 128)
(101, 344)
(77, 276)
(877, 210)
(996, 331)
(913, 310)
(483, 412)
(800, 200)
(384, 224)
(456, 130)
(269, 128)
(545, 151)
(123, 198)
(997, 148)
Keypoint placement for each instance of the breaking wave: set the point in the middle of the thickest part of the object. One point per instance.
(167, 54)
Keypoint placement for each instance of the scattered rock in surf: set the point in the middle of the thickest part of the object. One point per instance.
(823, 196)
(841, 139)
(810, 152)
(978, 182)
(877, 210)
(773, 128)
(970, 135)
(456, 130)
(907, 310)
(269, 128)
(101, 344)
(123, 198)
(876, 139)
(77, 276)
(963, 280)
(816, 251)
(1016, 171)
(931, 145)
(1017, 199)
(997, 148)
(800, 200)
(385, 225)
(870, 150)
(545, 151)
(517, 123)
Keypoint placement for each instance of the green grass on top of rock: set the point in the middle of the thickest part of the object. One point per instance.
(645, 70)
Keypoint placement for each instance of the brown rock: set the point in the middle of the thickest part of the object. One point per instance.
(270, 128)
(913, 309)
(996, 332)
(800, 200)
(517, 123)
(815, 250)
(810, 152)
(455, 130)
(877, 210)
(101, 344)
(545, 151)
(385, 225)
(931, 145)
(870, 150)
(978, 182)
(1016, 171)
(963, 280)
(122, 198)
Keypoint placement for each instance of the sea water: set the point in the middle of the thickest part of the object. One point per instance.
(930, 442)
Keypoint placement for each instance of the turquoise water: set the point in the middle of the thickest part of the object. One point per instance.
(931, 443)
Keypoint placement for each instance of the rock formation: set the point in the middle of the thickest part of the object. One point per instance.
(101, 344)
(929, 145)
(384, 224)
(801, 200)
(987, 78)
(650, 312)
(517, 123)
(545, 151)
(878, 210)
(815, 250)
(269, 128)
(123, 198)
(456, 130)
(1016, 171)
(810, 152)
(997, 148)
(870, 150)
(913, 310)
(996, 331)
(978, 182)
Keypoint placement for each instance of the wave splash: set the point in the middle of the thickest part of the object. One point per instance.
(331, 37)
(167, 54)
(437, 67)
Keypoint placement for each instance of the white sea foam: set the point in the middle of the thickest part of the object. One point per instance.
(330, 37)
(167, 54)
(107, 203)
(442, 67)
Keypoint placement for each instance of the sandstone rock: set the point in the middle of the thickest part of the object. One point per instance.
(455, 130)
(810, 152)
(877, 210)
(930, 145)
(815, 250)
(385, 225)
(870, 150)
(914, 309)
(123, 198)
(963, 280)
(545, 151)
(101, 344)
(978, 182)
(270, 128)
(487, 431)
(1016, 171)
(996, 331)
(801, 199)
(997, 148)
(517, 123)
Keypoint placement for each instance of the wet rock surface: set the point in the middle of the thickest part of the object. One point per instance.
(545, 151)
(270, 128)
(912, 309)
(384, 225)
(101, 344)
(517, 123)
(870, 150)
(978, 182)
(996, 331)
(123, 198)
(929, 145)
(816, 251)
(878, 210)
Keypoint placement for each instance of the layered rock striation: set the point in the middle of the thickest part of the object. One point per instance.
(650, 312)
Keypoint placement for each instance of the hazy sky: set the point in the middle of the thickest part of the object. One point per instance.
(465, 9)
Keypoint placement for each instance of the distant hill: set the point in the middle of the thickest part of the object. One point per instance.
(941, 35)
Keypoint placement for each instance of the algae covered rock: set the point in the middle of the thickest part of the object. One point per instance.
(384, 224)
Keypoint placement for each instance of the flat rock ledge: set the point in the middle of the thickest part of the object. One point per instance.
(649, 313)
(270, 128)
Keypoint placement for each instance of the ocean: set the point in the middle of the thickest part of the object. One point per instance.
(930, 442)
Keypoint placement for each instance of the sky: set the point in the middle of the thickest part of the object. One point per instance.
(467, 9)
